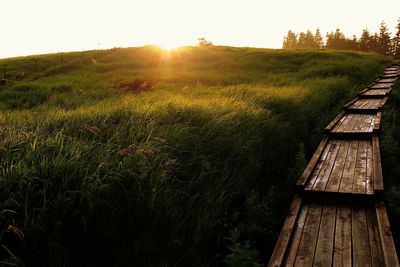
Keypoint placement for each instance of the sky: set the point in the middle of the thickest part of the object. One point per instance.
(44, 26)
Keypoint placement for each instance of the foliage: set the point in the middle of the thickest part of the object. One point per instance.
(390, 150)
(202, 42)
(381, 42)
(240, 254)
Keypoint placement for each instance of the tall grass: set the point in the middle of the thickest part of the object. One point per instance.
(170, 175)
(390, 150)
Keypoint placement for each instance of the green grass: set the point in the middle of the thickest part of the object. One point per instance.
(197, 171)
(390, 150)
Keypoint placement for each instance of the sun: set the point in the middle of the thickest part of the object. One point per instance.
(169, 43)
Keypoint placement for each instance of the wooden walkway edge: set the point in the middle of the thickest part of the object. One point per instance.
(337, 217)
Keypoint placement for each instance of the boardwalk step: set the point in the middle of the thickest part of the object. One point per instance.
(331, 232)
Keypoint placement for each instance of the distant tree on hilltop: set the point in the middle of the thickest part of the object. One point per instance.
(384, 40)
(365, 41)
(204, 42)
(396, 41)
(319, 41)
(290, 40)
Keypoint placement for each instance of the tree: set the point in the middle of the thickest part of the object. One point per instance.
(375, 42)
(203, 42)
(290, 40)
(365, 41)
(336, 40)
(384, 40)
(352, 44)
(309, 40)
(319, 42)
(302, 41)
(396, 41)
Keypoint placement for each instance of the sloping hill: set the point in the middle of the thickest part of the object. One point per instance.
(184, 157)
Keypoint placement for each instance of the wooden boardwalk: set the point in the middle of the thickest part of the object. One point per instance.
(337, 218)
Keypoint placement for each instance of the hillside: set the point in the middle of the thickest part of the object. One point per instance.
(140, 155)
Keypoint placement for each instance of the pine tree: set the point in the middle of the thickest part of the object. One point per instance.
(365, 41)
(374, 43)
(290, 40)
(309, 40)
(384, 40)
(302, 41)
(330, 40)
(396, 41)
(319, 42)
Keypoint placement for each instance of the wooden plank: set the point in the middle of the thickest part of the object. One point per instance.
(370, 169)
(389, 251)
(374, 239)
(306, 251)
(319, 166)
(364, 90)
(388, 80)
(325, 172)
(346, 183)
(361, 253)
(369, 123)
(389, 76)
(350, 103)
(352, 124)
(286, 233)
(377, 121)
(364, 125)
(381, 85)
(376, 92)
(295, 241)
(360, 173)
(337, 171)
(343, 247)
(343, 123)
(335, 120)
(312, 163)
(324, 249)
(378, 180)
(383, 102)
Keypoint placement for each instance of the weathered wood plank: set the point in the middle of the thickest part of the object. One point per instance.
(295, 241)
(286, 233)
(381, 85)
(312, 163)
(378, 180)
(343, 245)
(326, 170)
(383, 102)
(361, 253)
(337, 171)
(324, 249)
(346, 183)
(306, 251)
(314, 175)
(389, 251)
(370, 169)
(359, 186)
(335, 121)
(374, 239)
(377, 121)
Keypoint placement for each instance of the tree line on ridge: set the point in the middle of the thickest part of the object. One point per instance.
(381, 42)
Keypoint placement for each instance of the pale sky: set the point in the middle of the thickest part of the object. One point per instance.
(42, 26)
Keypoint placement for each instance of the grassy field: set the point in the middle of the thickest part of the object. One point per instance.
(193, 167)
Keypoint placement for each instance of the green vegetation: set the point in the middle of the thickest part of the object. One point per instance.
(382, 42)
(390, 150)
(193, 167)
